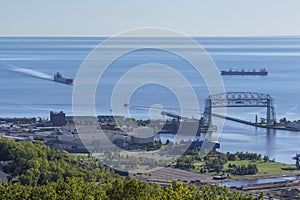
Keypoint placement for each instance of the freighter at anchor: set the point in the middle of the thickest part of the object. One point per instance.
(59, 78)
(262, 72)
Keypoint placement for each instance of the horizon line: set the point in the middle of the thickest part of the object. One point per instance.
(192, 36)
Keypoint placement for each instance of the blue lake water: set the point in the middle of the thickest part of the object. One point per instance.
(28, 63)
(259, 181)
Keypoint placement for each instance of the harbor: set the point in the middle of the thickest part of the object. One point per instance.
(154, 100)
(274, 135)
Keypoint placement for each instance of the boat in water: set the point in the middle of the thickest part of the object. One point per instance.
(59, 78)
(262, 72)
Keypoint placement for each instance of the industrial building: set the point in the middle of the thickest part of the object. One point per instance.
(142, 135)
(57, 118)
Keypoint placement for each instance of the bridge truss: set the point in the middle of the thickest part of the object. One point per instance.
(240, 99)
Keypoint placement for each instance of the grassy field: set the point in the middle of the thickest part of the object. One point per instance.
(264, 168)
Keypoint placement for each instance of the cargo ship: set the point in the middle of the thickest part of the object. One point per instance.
(262, 72)
(59, 78)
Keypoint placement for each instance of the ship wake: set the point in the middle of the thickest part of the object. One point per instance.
(33, 73)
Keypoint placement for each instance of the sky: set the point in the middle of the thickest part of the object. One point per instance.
(190, 17)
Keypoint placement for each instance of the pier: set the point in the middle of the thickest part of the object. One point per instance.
(239, 120)
(277, 127)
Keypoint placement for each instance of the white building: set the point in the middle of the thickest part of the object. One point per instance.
(142, 135)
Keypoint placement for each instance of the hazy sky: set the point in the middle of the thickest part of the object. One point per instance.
(191, 17)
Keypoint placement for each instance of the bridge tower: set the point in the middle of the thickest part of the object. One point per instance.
(207, 112)
(297, 158)
(270, 111)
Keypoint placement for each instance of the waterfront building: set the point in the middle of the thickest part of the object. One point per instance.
(58, 118)
(142, 135)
